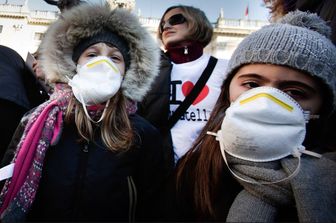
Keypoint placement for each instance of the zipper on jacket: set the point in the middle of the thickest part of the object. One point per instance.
(132, 199)
(82, 166)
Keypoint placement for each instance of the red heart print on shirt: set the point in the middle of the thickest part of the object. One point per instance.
(188, 86)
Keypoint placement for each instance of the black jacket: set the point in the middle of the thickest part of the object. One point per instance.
(179, 205)
(155, 107)
(17, 82)
(87, 182)
(19, 92)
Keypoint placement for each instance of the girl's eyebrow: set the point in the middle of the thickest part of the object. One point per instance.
(282, 83)
(299, 84)
(251, 75)
(90, 48)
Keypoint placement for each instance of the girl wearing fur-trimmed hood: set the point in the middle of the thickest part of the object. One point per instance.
(100, 63)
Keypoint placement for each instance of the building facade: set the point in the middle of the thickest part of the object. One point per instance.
(22, 29)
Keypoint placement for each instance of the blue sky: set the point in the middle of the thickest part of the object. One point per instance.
(154, 8)
(232, 8)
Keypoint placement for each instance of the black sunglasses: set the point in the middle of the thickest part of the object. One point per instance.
(173, 20)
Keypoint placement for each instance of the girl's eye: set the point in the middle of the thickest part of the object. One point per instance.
(251, 84)
(296, 93)
(115, 58)
(91, 54)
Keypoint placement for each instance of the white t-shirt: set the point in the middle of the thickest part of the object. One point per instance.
(183, 78)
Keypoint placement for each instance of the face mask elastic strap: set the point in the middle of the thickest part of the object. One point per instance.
(68, 78)
(81, 100)
(87, 114)
(211, 133)
(311, 153)
(225, 160)
(253, 181)
(308, 116)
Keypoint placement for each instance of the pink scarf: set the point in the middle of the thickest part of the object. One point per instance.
(42, 130)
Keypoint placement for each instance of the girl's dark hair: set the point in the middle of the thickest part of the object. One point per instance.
(207, 161)
(319, 132)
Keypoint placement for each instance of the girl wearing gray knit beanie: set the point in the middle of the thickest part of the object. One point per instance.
(262, 157)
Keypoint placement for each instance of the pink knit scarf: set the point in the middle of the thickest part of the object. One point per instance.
(42, 130)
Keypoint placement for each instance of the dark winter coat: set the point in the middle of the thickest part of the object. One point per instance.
(19, 92)
(87, 182)
(178, 206)
(155, 107)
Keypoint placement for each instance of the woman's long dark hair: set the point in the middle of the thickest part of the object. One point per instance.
(207, 161)
(320, 133)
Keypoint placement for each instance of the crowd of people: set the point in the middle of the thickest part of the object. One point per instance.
(129, 131)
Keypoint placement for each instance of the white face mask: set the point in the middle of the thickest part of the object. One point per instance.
(96, 82)
(263, 124)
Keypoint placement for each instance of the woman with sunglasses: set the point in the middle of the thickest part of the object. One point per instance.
(184, 32)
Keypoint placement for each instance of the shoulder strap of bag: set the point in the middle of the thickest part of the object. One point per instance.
(193, 93)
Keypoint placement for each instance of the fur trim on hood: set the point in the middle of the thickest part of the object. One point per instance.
(87, 20)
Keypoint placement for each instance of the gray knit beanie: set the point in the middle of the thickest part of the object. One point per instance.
(299, 40)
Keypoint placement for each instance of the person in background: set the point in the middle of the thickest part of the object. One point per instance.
(19, 92)
(264, 132)
(326, 9)
(84, 155)
(184, 32)
(62, 5)
(33, 63)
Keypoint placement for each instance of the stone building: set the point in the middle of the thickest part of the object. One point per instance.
(22, 29)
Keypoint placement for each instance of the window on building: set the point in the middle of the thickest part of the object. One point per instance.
(38, 36)
(222, 45)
